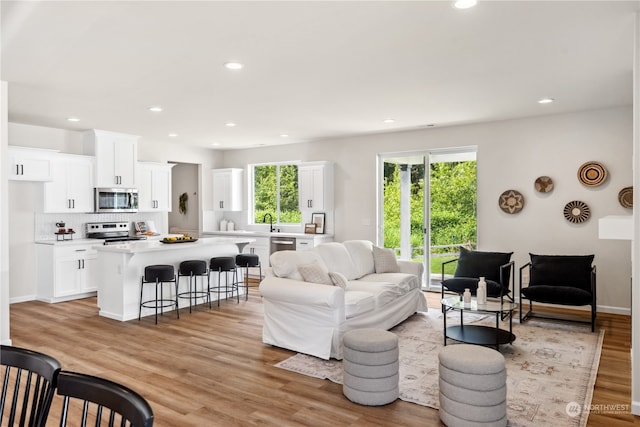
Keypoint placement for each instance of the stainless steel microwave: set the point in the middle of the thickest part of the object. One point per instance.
(116, 200)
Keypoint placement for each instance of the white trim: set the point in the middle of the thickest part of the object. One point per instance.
(24, 298)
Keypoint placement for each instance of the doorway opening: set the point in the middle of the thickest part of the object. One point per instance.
(186, 203)
(427, 207)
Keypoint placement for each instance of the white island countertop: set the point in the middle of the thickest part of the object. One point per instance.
(157, 246)
(250, 233)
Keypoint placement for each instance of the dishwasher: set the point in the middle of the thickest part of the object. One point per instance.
(279, 243)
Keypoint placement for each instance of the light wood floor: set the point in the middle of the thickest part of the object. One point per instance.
(210, 368)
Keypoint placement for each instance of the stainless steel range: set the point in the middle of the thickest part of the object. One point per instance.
(111, 232)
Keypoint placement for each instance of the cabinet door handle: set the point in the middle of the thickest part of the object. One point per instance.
(21, 169)
(81, 250)
(17, 169)
(79, 265)
(74, 203)
(83, 264)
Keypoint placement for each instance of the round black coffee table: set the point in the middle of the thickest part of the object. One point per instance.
(479, 334)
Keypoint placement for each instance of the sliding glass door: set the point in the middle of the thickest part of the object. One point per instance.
(427, 206)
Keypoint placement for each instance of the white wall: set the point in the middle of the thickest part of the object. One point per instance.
(5, 337)
(26, 224)
(511, 155)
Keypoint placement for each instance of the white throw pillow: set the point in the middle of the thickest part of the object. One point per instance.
(314, 273)
(338, 279)
(385, 260)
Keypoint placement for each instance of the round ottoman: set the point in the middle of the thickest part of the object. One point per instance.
(370, 364)
(473, 386)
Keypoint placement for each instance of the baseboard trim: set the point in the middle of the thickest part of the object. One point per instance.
(25, 298)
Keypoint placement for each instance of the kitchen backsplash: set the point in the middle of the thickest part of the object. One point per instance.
(45, 225)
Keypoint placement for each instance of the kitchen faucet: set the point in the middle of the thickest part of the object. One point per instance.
(264, 220)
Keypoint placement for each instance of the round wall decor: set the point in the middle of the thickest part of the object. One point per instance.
(577, 212)
(543, 184)
(592, 174)
(625, 197)
(511, 201)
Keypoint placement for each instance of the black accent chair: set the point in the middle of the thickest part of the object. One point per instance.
(495, 267)
(102, 398)
(29, 383)
(559, 279)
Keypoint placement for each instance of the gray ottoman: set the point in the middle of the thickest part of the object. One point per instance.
(370, 363)
(473, 386)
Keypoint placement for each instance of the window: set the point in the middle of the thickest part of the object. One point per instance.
(275, 192)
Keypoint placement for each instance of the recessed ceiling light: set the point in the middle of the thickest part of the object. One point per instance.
(73, 119)
(230, 124)
(215, 144)
(155, 109)
(464, 4)
(232, 65)
(388, 121)
(173, 135)
(284, 135)
(546, 101)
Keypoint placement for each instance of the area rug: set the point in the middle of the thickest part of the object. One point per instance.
(551, 367)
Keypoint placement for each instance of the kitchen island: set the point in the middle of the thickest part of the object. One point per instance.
(120, 268)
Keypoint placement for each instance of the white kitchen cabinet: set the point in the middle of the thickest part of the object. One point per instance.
(30, 164)
(315, 186)
(71, 187)
(227, 189)
(261, 248)
(65, 271)
(154, 187)
(116, 158)
(311, 241)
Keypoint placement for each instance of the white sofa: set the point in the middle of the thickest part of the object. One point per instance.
(311, 317)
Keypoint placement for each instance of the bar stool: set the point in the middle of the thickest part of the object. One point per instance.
(245, 261)
(192, 269)
(158, 275)
(224, 265)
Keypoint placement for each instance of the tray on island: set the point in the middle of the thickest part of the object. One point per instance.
(178, 241)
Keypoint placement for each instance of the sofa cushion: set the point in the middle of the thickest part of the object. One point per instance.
(383, 292)
(285, 263)
(385, 260)
(336, 257)
(459, 284)
(361, 255)
(482, 264)
(358, 302)
(558, 295)
(561, 270)
(315, 273)
(338, 279)
(405, 281)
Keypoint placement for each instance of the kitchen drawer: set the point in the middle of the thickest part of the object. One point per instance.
(76, 251)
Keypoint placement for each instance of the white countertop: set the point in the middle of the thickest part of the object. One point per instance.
(265, 234)
(157, 246)
(71, 242)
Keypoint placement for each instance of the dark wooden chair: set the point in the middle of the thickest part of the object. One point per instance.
(559, 279)
(29, 381)
(103, 402)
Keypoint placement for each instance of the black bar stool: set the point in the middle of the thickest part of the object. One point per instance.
(158, 275)
(224, 265)
(246, 261)
(192, 269)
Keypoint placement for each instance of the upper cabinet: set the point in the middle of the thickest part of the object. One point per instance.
(154, 187)
(71, 187)
(30, 164)
(315, 186)
(227, 189)
(116, 158)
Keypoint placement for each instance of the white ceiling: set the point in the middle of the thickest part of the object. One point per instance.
(313, 70)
